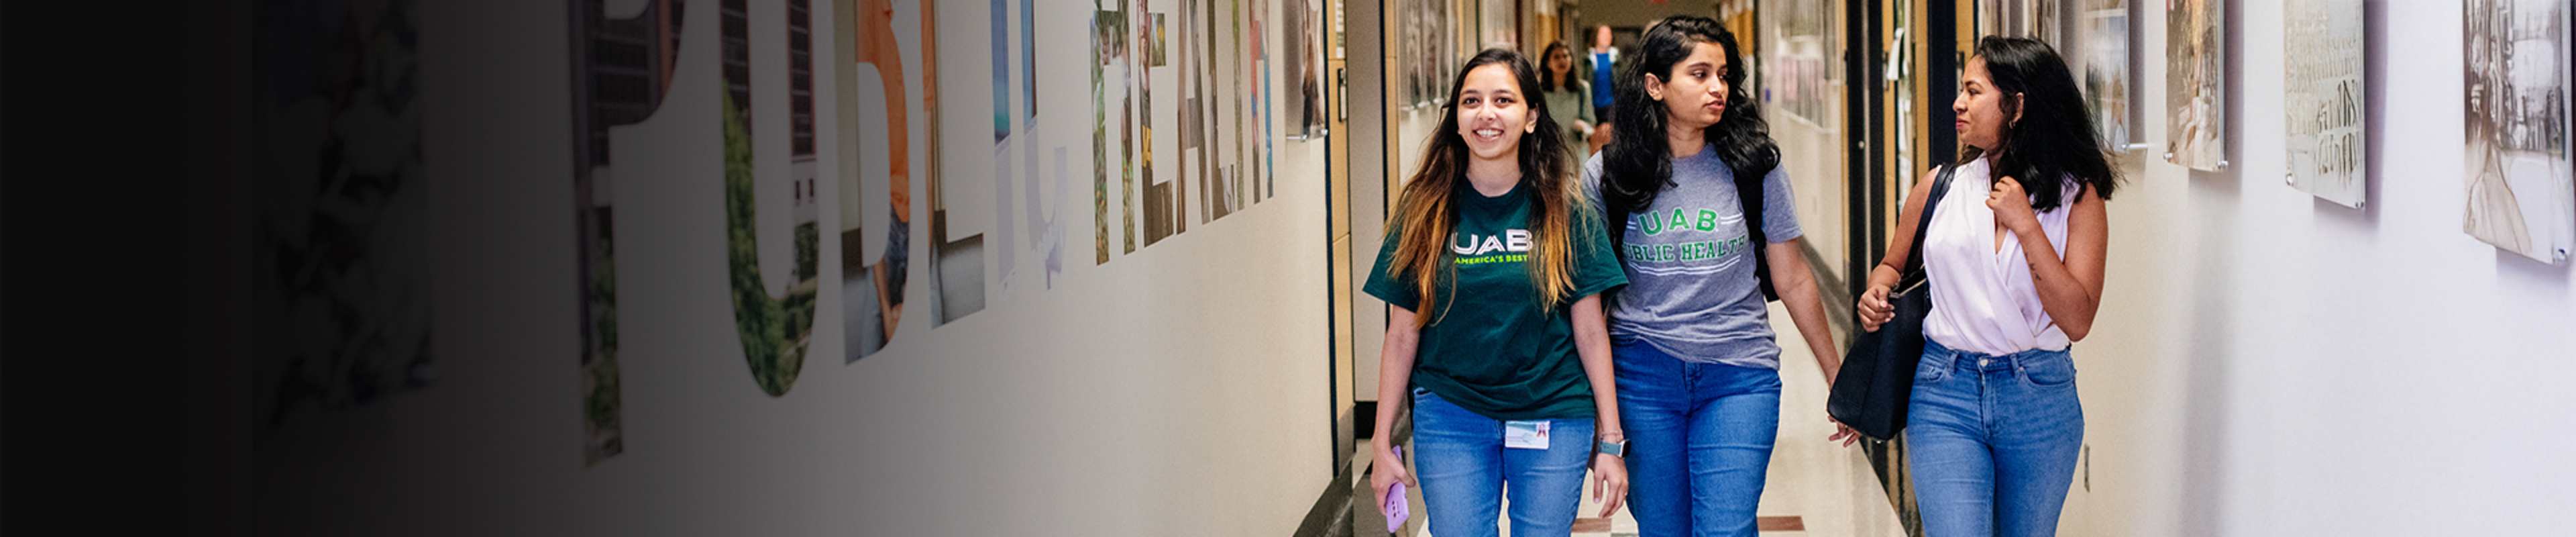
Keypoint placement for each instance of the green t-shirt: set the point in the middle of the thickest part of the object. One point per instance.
(1491, 347)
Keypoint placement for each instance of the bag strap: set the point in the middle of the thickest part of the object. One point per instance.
(1749, 196)
(1913, 273)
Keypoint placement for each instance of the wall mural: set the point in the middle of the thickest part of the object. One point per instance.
(1126, 38)
(1193, 130)
(1262, 95)
(2522, 197)
(1108, 61)
(1044, 232)
(956, 267)
(340, 286)
(2195, 83)
(775, 329)
(613, 91)
(872, 286)
(885, 84)
(1158, 218)
(2322, 43)
(1239, 170)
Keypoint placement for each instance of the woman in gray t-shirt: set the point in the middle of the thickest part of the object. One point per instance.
(1698, 368)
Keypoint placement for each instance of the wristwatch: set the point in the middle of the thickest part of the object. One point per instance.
(1618, 448)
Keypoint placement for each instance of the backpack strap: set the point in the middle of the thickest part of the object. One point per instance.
(1749, 194)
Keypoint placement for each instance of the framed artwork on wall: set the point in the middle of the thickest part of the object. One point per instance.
(2322, 46)
(2109, 80)
(2195, 84)
(2520, 190)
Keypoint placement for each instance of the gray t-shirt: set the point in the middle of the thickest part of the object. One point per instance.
(1691, 291)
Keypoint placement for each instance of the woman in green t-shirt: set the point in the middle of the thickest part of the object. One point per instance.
(1493, 265)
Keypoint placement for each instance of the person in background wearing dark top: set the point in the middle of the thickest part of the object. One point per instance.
(1706, 227)
(1602, 61)
(1568, 98)
(1994, 426)
(1493, 266)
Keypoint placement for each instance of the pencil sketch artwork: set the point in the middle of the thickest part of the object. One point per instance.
(2520, 191)
(2043, 22)
(2107, 76)
(2035, 19)
(2322, 48)
(2195, 83)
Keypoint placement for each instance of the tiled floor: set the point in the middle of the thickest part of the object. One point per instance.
(1815, 487)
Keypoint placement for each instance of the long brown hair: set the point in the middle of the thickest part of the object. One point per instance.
(1425, 214)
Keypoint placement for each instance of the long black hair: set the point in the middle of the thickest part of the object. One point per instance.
(1547, 79)
(1425, 214)
(2054, 142)
(1639, 164)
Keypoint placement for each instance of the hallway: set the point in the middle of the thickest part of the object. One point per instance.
(568, 268)
(1816, 487)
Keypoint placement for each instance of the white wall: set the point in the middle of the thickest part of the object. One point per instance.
(1177, 390)
(2272, 364)
(1812, 149)
(1408, 132)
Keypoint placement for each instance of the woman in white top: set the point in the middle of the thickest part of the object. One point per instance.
(1994, 426)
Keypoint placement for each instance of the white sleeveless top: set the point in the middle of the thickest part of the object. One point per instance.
(1983, 298)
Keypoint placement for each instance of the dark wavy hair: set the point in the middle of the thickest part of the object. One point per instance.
(1426, 213)
(1547, 79)
(2054, 143)
(1638, 164)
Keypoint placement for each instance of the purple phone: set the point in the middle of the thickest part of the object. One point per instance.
(1396, 508)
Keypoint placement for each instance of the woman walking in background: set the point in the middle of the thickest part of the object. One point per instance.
(1707, 229)
(2016, 277)
(1568, 98)
(1493, 265)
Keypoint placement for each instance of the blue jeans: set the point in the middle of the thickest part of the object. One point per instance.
(1699, 441)
(1992, 440)
(1458, 456)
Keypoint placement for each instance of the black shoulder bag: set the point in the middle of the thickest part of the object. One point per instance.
(1877, 378)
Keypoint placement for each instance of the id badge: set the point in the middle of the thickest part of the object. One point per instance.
(1525, 434)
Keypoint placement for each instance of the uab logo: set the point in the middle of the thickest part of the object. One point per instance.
(1657, 223)
(1512, 240)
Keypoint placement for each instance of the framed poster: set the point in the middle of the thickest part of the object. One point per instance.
(2036, 19)
(1303, 26)
(2322, 47)
(2109, 83)
(2195, 84)
(2520, 190)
